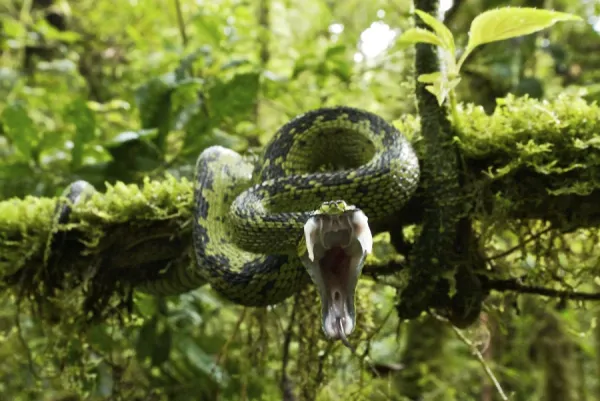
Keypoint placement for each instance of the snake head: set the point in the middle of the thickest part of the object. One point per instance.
(337, 238)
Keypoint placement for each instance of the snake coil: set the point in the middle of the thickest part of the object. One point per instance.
(249, 214)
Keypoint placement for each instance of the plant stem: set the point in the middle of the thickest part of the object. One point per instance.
(482, 361)
(454, 110)
(180, 23)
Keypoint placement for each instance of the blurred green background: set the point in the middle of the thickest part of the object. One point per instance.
(116, 91)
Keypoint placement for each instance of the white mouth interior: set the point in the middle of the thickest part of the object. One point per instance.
(336, 248)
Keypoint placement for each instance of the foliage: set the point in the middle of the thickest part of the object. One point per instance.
(490, 26)
(126, 97)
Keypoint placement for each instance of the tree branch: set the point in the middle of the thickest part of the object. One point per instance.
(516, 286)
(440, 241)
(529, 160)
(384, 270)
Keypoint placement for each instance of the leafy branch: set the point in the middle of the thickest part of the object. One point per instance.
(490, 26)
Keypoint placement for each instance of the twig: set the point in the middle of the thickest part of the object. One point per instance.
(514, 285)
(365, 355)
(482, 361)
(322, 357)
(223, 350)
(181, 23)
(520, 244)
(468, 343)
(285, 384)
(385, 270)
(25, 346)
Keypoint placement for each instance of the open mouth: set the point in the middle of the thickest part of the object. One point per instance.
(336, 247)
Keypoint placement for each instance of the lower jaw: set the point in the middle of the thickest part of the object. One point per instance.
(335, 274)
(337, 293)
(337, 326)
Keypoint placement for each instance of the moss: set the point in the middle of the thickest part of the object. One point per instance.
(25, 224)
(597, 350)
(523, 162)
(559, 137)
(106, 233)
(442, 245)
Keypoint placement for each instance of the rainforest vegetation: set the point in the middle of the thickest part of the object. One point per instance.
(485, 286)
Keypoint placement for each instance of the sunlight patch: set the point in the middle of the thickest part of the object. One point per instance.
(375, 40)
(446, 5)
(595, 21)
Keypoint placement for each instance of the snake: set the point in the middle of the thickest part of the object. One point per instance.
(300, 211)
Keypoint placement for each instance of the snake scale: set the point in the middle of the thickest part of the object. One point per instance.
(262, 223)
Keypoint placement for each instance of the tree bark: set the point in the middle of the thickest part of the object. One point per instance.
(440, 242)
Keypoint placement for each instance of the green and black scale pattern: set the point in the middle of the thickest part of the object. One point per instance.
(249, 214)
(326, 154)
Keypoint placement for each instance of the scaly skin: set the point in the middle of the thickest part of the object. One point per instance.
(371, 166)
(249, 215)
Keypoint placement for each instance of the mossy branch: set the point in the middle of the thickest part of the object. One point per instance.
(529, 160)
(435, 252)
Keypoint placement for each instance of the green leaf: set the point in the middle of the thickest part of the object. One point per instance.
(203, 362)
(430, 78)
(151, 96)
(13, 28)
(50, 33)
(343, 71)
(147, 339)
(154, 100)
(128, 136)
(440, 85)
(209, 29)
(196, 123)
(440, 29)
(234, 63)
(305, 63)
(337, 63)
(419, 35)
(335, 51)
(130, 158)
(99, 336)
(510, 22)
(162, 348)
(15, 171)
(186, 65)
(234, 99)
(84, 120)
(227, 103)
(19, 128)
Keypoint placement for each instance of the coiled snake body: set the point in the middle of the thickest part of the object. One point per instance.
(260, 224)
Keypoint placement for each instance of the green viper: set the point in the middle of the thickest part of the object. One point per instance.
(262, 223)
